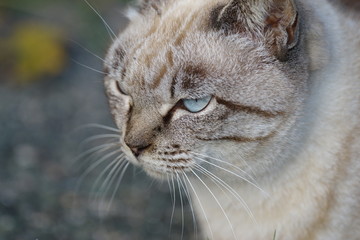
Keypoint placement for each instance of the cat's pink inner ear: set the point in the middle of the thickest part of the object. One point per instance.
(281, 27)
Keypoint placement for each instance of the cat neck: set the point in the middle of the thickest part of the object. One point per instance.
(308, 187)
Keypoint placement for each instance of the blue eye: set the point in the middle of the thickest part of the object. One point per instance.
(196, 105)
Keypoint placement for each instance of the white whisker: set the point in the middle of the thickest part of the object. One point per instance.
(182, 206)
(112, 176)
(235, 174)
(151, 184)
(217, 201)
(174, 203)
(88, 67)
(96, 125)
(100, 148)
(108, 28)
(227, 163)
(212, 176)
(100, 136)
(118, 183)
(187, 193)
(96, 164)
(103, 172)
(200, 204)
(95, 150)
(106, 184)
(212, 179)
(92, 167)
(169, 185)
(87, 50)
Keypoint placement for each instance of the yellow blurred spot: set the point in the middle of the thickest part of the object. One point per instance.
(39, 52)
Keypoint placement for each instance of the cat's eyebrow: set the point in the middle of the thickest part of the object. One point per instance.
(240, 139)
(193, 72)
(190, 73)
(249, 109)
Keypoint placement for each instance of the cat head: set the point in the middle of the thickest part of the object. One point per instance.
(189, 82)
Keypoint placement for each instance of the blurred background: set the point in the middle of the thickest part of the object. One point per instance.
(50, 88)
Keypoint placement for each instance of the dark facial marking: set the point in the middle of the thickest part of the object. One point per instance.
(123, 72)
(161, 74)
(240, 139)
(106, 70)
(170, 58)
(148, 4)
(229, 18)
(169, 115)
(178, 160)
(182, 35)
(176, 167)
(191, 73)
(172, 88)
(248, 109)
(173, 153)
(214, 15)
(119, 57)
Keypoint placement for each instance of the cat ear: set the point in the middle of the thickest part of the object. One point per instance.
(281, 27)
(275, 21)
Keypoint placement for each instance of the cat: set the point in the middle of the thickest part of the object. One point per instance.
(254, 106)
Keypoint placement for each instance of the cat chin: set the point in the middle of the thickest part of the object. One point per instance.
(156, 174)
(163, 176)
(163, 173)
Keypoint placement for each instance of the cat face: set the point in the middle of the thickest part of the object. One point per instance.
(189, 83)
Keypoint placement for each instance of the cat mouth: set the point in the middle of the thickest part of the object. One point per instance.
(167, 168)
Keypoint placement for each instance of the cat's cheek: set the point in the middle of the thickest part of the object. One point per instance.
(119, 119)
(166, 160)
(120, 109)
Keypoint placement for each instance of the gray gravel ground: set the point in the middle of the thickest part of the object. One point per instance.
(39, 197)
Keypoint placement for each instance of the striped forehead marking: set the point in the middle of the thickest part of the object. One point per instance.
(147, 55)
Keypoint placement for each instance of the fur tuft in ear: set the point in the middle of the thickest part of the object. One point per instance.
(239, 16)
(146, 5)
(274, 21)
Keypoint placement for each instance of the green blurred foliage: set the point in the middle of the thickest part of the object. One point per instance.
(38, 51)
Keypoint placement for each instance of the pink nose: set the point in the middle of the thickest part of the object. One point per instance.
(135, 151)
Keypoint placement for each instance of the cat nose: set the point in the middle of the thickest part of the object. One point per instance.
(137, 146)
(137, 150)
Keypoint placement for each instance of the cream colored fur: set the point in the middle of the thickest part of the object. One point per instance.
(309, 165)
